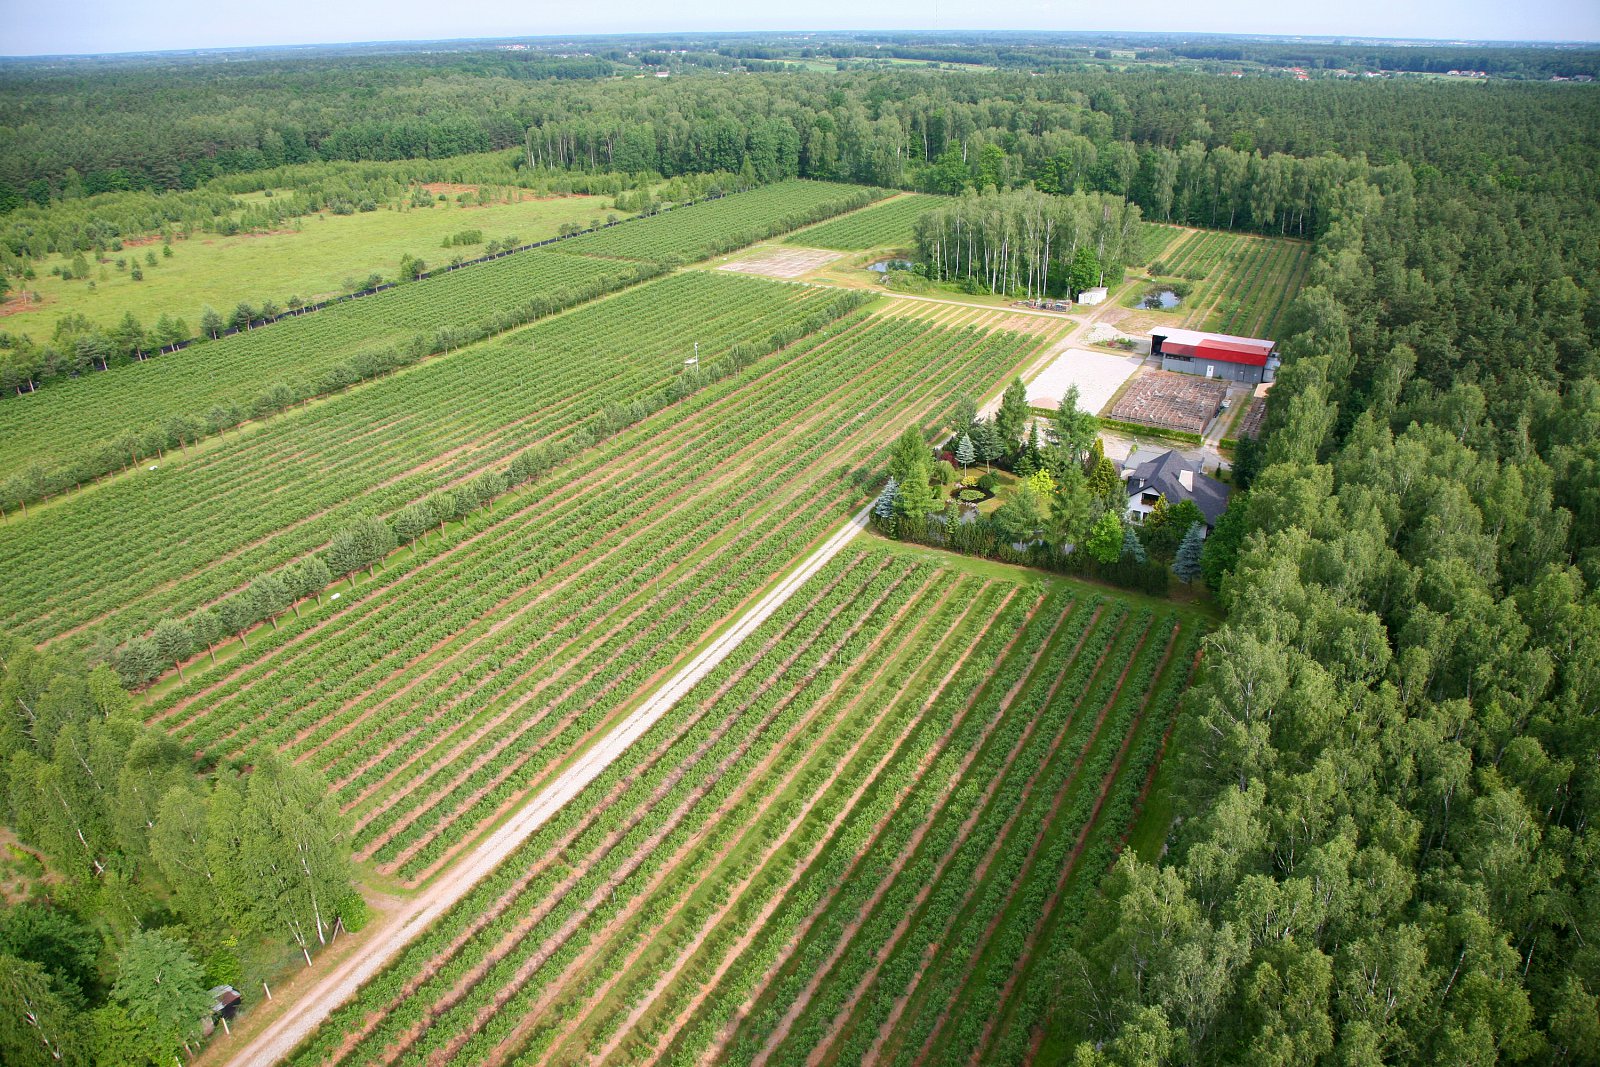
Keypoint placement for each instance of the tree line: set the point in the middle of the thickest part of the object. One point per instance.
(1172, 141)
(1387, 845)
(1029, 242)
(164, 874)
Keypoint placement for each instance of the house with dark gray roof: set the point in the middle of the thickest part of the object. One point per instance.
(1152, 475)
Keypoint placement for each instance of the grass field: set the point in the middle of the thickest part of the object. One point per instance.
(1242, 284)
(858, 837)
(886, 225)
(311, 262)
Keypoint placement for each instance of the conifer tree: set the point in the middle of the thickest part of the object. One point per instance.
(883, 507)
(1132, 547)
(1187, 564)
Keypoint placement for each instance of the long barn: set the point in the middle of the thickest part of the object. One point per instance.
(1215, 355)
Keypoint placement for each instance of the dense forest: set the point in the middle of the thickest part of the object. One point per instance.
(164, 879)
(1390, 767)
(179, 124)
(1391, 854)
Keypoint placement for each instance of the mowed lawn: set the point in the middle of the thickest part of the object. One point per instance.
(311, 262)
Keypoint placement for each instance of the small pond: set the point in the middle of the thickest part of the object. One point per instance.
(1160, 299)
(884, 266)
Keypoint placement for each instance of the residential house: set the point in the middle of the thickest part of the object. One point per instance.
(1151, 475)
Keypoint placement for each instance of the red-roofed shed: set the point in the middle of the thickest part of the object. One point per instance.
(1215, 355)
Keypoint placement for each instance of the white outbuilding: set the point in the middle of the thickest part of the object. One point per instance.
(1090, 297)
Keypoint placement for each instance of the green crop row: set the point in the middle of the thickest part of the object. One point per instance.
(1021, 880)
(689, 754)
(99, 423)
(879, 226)
(711, 227)
(634, 796)
(1032, 1000)
(175, 538)
(948, 859)
(466, 735)
(904, 797)
(676, 889)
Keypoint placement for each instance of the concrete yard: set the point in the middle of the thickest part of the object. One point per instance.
(783, 262)
(1098, 375)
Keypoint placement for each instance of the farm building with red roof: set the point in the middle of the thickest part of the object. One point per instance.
(1215, 355)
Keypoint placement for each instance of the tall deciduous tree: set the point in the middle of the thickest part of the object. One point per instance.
(39, 1026)
(1105, 539)
(162, 990)
(279, 848)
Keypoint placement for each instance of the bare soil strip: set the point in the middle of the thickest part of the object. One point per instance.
(906, 998)
(823, 1051)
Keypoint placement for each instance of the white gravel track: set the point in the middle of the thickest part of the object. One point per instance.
(319, 1000)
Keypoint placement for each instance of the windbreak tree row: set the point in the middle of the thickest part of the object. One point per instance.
(172, 540)
(437, 696)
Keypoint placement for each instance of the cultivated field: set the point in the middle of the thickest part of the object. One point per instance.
(167, 541)
(76, 429)
(859, 836)
(310, 262)
(1242, 284)
(435, 699)
(686, 234)
(81, 417)
(886, 225)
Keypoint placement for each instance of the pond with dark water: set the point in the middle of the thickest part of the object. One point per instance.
(884, 266)
(1161, 300)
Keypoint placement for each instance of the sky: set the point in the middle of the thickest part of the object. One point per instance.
(97, 26)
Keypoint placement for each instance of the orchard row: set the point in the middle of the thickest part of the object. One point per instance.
(853, 838)
(437, 697)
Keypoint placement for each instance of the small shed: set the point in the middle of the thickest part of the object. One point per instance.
(1090, 297)
(225, 1001)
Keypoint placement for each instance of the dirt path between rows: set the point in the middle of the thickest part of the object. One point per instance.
(824, 1050)
(409, 921)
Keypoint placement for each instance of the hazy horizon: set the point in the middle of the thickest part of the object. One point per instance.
(98, 27)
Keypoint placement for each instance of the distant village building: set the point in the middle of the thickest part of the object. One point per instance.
(1215, 355)
(1091, 297)
(1151, 475)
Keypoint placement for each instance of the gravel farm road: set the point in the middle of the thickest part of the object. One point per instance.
(319, 1000)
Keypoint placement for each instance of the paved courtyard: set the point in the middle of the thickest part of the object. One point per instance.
(783, 262)
(1098, 375)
